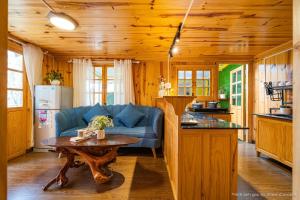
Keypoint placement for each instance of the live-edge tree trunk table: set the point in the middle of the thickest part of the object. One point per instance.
(98, 154)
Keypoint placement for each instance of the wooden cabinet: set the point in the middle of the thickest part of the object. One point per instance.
(274, 138)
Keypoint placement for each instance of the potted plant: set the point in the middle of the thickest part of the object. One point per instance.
(98, 124)
(54, 77)
(222, 93)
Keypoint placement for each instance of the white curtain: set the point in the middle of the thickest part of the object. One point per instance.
(33, 58)
(124, 88)
(82, 82)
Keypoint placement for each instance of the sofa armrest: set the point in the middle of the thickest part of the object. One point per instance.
(157, 123)
(64, 120)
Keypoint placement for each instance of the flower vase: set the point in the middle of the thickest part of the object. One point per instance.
(100, 134)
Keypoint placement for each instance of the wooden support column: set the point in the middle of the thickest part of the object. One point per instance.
(296, 99)
(3, 109)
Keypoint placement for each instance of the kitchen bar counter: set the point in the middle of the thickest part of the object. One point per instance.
(196, 120)
(284, 117)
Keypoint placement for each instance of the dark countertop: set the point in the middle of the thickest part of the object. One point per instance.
(205, 122)
(284, 117)
(211, 111)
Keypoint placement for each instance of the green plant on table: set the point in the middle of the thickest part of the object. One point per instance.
(100, 123)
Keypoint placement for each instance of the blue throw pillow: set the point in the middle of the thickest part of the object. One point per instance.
(96, 110)
(130, 116)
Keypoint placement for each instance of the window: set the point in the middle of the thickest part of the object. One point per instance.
(196, 81)
(14, 80)
(185, 83)
(104, 85)
(202, 83)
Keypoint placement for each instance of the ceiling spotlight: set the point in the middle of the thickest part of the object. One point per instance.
(177, 39)
(62, 21)
(175, 50)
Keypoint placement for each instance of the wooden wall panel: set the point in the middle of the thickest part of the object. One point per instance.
(3, 97)
(146, 81)
(274, 65)
(60, 64)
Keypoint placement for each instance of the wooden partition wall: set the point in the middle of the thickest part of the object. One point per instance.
(296, 121)
(196, 159)
(3, 108)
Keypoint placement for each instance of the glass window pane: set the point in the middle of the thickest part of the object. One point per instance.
(188, 74)
(188, 91)
(188, 83)
(239, 100)
(98, 72)
(180, 74)
(199, 91)
(14, 80)
(206, 83)
(233, 77)
(180, 83)
(199, 74)
(110, 98)
(14, 98)
(199, 83)
(110, 73)
(239, 75)
(239, 88)
(98, 98)
(181, 91)
(98, 86)
(207, 74)
(234, 89)
(15, 61)
(206, 91)
(110, 86)
(233, 100)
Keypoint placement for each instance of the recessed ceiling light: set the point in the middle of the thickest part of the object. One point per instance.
(62, 21)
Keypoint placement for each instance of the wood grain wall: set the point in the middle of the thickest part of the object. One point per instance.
(3, 108)
(274, 65)
(296, 122)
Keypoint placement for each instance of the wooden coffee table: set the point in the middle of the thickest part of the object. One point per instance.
(96, 153)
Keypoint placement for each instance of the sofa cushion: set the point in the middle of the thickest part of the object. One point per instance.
(95, 111)
(140, 132)
(72, 132)
(130, 116)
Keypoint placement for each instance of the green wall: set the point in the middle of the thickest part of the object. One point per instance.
(224, 82)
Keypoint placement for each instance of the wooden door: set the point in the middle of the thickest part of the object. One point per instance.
(17, 115)
(237, 101)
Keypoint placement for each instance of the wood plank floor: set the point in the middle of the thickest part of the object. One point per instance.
(138, 177)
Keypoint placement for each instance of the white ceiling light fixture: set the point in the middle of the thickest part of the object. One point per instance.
(175, 50)
(60, 19)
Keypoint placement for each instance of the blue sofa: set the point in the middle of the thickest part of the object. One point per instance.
(149, 129)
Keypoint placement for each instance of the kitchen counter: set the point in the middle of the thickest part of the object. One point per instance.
(202, 121)
(283, 117)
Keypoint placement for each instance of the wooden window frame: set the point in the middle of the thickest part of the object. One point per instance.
(104, 81)
(16, 50)
(194, 70)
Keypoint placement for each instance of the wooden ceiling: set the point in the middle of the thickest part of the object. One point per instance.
(145, 29)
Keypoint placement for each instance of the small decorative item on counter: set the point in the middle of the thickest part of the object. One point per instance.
(54, 77)
(98, 124)
(162, 88)
(222, 93)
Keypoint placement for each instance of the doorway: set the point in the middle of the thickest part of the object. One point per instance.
(232, 93)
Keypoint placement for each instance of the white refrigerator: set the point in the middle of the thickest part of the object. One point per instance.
(48, 101)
